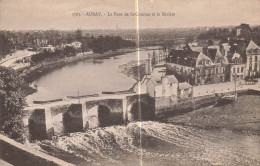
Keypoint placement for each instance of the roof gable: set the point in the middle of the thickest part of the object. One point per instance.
(184, 85)
(220, 58)
(252, 45)
(202, 57)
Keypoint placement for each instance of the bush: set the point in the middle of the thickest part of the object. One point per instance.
(11, 104)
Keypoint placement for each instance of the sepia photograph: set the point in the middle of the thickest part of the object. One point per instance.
(129, 83)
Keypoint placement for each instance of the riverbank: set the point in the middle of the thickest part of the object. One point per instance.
(133, 70)
(32, 73)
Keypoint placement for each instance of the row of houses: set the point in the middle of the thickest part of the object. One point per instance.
(213, 64)
(171, 75)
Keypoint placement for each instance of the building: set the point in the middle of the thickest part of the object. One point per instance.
(243, 30)
(193, 44)
(253, 59)
(49, 48)
(168, 90)
(76, 44)
(166, 86)
(197, 68)
(215, 69)
(237, 69)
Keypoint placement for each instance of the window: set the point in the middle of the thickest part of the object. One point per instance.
(255, 58)
(216, 70)
(242, 69)
(234, 70)
(207, 72)
(238, 70)
(238, 32)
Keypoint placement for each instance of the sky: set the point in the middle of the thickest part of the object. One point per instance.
(58, 14)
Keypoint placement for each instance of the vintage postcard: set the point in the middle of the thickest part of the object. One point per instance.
(130, 82)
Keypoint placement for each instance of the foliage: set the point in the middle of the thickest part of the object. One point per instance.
(216, 33)
(37, 58)
(103, 44)
(168, 44)
(69, 51)
(11, 104)
(5, 45)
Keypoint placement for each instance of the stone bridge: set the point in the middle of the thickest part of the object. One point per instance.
(79, 115)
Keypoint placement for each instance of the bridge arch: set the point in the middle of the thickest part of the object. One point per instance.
(98, 116)
(72, 118)
(139, 111)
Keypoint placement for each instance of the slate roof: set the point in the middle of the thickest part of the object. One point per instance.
(183, 57)
(244, 26)
(212, 53)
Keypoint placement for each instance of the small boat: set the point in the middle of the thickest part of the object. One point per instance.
(228, 97)
(223, 99)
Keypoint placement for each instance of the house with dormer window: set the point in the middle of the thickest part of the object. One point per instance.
(197, 68)
(253, 59)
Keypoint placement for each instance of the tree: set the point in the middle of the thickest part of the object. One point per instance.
(69, 51)
(210, 42)
(5, 45)
(11, 104)
(78, 35)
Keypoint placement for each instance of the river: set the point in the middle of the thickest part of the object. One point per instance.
(86, 77)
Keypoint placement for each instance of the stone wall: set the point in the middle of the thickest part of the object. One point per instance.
(165, 106)
(17, 154)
